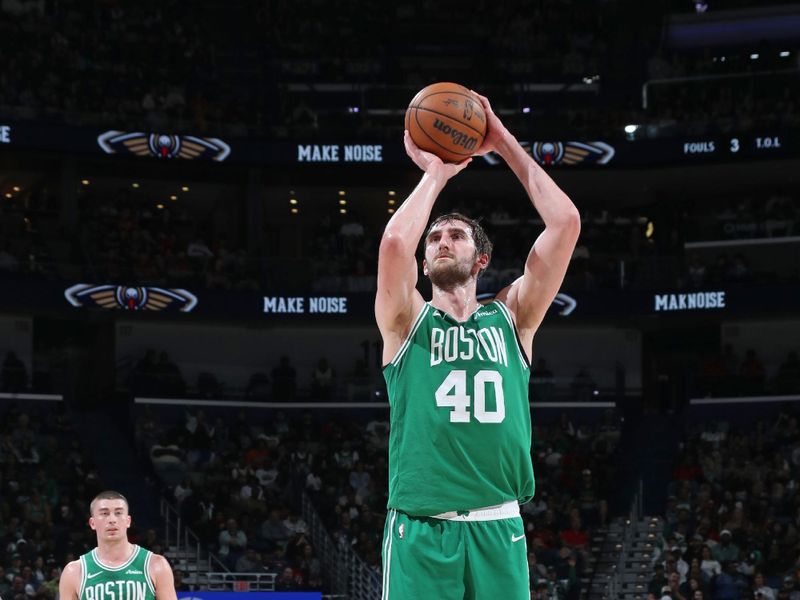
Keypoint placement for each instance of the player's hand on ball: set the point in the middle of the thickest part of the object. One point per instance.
(495, 130)
(430, 163)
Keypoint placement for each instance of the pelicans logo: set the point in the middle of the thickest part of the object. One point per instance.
(571, 153)
(130, 298)
(564, 153)
(162, 145)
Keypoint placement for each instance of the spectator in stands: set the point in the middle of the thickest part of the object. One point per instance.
(249, 562)
(5, 588)
(378, 434)
(313, 483)
(232, 543)
(674, 586)
(254, 456)
(692, 585)
(694, 550)
(730, 584)
(267, 474)
(273, 529)
(680, 565)
(346, 457)
(760, 587)
(311, 567)
(199, 438)
(789, 588)
(725, 550)
(37, 511)
(658, 581)
(49, 587)
(26, 453)
(20, 588)
(542, 590)
(288, 581)
(295, 525)
(180, 582)
(574, 537)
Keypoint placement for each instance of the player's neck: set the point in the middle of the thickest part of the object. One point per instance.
(115, 552)
(459, 302)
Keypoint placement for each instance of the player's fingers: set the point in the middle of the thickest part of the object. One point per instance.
(411, 147)
(484, 100)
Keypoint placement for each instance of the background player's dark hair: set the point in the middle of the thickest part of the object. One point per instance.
(107, 495)
(483, 245)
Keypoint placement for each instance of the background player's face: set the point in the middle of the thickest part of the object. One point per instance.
(110, 519)
(450, 255)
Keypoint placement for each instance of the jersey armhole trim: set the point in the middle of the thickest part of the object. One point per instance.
(147, 576)
(407, 342)
(83, 576)
(520, 350)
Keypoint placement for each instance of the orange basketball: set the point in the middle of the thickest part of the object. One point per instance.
(448, 120)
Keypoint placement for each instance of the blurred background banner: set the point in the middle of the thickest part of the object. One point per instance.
(767, 143)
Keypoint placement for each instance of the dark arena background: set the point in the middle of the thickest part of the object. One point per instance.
(191, 201)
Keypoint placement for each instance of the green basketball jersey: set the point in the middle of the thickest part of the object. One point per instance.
(460, 420)
(130, 581)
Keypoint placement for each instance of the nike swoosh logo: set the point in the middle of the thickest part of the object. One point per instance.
(93, 575)
(516, 538)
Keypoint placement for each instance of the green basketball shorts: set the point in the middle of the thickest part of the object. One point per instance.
(470, 555)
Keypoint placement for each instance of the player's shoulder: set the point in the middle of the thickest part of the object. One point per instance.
(73, 566)
(72, 571)
(158, 562)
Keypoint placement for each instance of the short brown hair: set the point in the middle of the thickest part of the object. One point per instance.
(483, 245)
(107, 495)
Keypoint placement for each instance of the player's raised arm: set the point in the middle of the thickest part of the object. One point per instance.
(69, 581)
(397, 300)
(530, 296)
(162, 578)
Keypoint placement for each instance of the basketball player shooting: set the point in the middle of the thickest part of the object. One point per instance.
(457, 375)
(116, 569)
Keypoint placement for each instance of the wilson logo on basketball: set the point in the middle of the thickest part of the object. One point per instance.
(459, 138)
(469, 110)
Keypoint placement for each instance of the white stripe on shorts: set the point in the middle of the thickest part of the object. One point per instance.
(387, 557)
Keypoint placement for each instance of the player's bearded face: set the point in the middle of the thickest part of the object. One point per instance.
(450, 257)
(451, 271)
